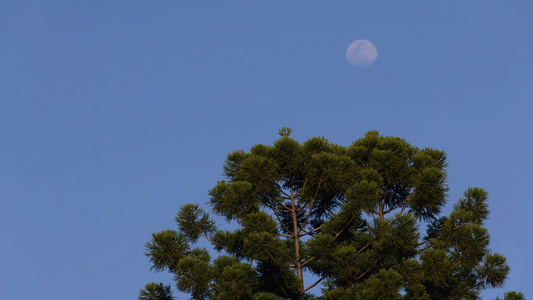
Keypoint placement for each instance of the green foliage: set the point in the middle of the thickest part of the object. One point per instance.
(236, 281)
(349, 215)
(192, 221)
(155, 291)
(493, 270)
(166, 249)
(193, 276)
(385, 284)
(512, 296)
(285, 131)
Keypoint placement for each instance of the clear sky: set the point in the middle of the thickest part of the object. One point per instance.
(115, 113)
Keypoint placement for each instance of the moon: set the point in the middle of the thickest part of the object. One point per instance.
(361, 53)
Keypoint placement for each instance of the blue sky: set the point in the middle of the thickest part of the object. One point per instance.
(115, 113)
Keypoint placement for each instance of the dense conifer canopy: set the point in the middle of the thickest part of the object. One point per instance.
(350, 216)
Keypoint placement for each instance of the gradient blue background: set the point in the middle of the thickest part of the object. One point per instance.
(115, 113)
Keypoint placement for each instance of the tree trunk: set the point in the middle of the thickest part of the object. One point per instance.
(296, 236)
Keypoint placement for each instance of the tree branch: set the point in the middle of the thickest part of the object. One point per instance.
(307, 215)
(421, 244)
(420, 212)
(285, 235)
(291, 259)
(301, 189)
(279, 219)
(367, 270)
(309, 232)
(395, 207)
(482, 280)
(308, 261)
(403, 208)
(287, 209)
(346, 226)
(283, 192)
(215, 243)
(310, 207)
(360, 250)
(456, 264)
(314, 284)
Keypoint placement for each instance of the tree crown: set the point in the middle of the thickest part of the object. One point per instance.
(351, 216)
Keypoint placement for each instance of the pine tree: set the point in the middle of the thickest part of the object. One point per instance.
(351, 216)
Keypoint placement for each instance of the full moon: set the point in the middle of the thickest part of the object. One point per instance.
(361, 53)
